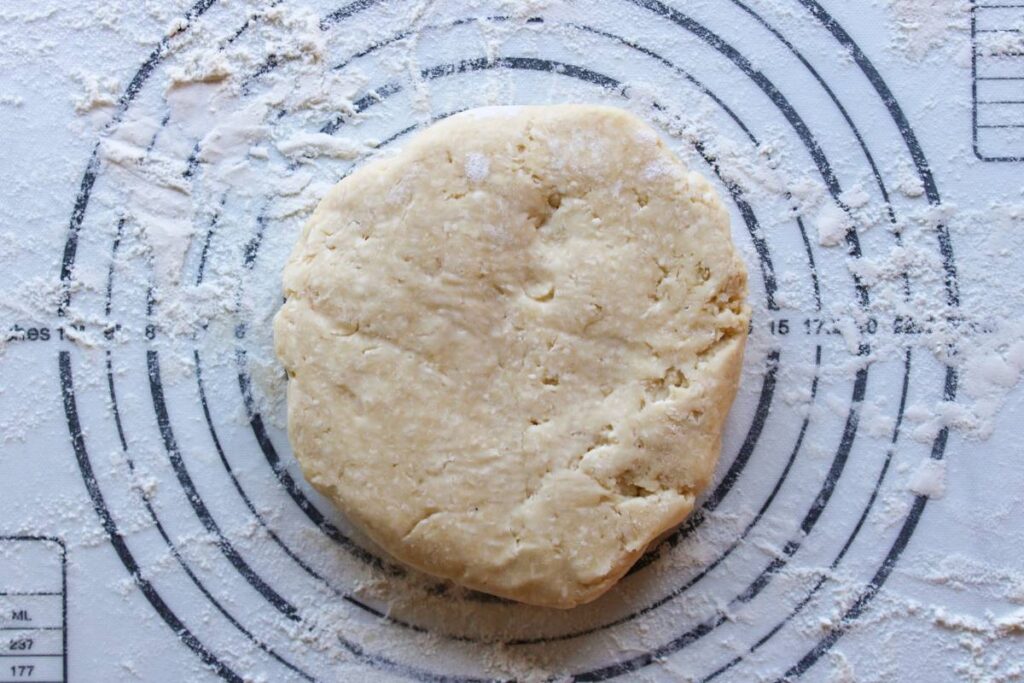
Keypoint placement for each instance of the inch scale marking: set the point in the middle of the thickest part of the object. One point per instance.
(33, 610)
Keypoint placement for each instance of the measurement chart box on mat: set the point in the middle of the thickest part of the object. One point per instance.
(997, 62)
(33, 609)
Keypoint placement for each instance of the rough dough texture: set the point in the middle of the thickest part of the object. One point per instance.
(512, 347)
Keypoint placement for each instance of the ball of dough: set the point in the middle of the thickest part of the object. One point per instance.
(512, 347)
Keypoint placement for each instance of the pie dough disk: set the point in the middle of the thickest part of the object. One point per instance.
(512, 347)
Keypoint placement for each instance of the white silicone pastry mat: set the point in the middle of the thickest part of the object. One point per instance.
(866, 522)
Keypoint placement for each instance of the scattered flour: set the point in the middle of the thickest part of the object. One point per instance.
(832, 224)
(477, 167)
(97, 92)
(929, 479)
(926, 29)
(842, 670)
(311, 145)
(240, 149)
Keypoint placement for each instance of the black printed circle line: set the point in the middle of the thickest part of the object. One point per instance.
(823, 497)
(889, 563)
(78, 441)
(438, 71)
(250, 253)
(171, 546)
(840, 460)
(163, 421)
(253, 248)
(850, 539)
(952, 297)
(781, 103)
(526, 63)
(348, 598)
(899, 418)
(945, 247)
(819, 158)
(636, 661)
(807, 65)
(196, 501)
(764, 402)
(939, 445)
(379, 94)
(113, 533)
(910, 140)
(773, 363)
(124, 553)
(92, 167)
(876, 174)
(164, 611)
(254, 245)
(167, 434)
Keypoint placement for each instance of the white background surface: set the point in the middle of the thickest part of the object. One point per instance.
(935, 617)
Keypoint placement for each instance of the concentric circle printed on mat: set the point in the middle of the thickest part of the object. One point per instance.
(220, 147)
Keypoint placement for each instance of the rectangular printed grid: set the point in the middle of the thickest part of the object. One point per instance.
(997, 43)
(33, 610)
